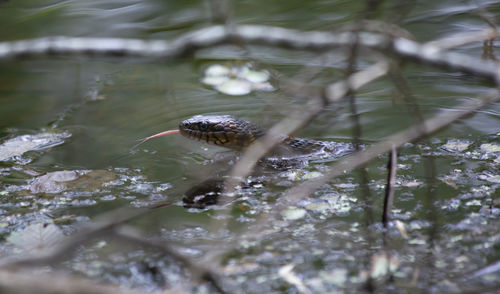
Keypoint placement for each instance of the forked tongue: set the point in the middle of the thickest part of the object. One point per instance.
(155, 136)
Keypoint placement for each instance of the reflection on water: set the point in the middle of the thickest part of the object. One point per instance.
(79, 118)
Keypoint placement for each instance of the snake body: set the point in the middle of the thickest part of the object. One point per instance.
(235, 133)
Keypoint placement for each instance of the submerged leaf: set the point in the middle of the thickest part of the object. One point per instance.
(50, 182)
(21, 144)
(36, 237)
(59, 181)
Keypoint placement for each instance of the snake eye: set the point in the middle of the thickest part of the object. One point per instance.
(202, 126)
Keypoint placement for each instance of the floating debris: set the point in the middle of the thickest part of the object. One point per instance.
(382, 264)
(336, 277)
(401, 228)
(474, 202)
(340, 204)
(456, 145)
(490, 178)
(300, 174)
(348, 186)
(21, 144)
(490, 148)
(286, 272)
(318, 206)
(494, 179)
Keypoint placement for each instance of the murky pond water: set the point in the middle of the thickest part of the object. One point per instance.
(68, 125)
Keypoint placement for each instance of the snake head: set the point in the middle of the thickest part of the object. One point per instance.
(221, 130)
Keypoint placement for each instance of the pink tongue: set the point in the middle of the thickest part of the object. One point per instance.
(159, 135)
(156, 136)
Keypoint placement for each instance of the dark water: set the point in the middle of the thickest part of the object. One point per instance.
(99, 107)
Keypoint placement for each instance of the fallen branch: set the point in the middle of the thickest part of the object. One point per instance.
(462, 39)
(249, 34)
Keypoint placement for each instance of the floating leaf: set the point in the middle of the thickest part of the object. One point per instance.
(217, 70)
(456, 145)
(293, 213)
(318, 206)
(236, 80)
(215, 80)
(490, 148)
(412, 184)
(235, 87)
(256, 76)
(263, 87)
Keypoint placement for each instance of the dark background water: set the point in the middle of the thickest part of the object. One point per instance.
(106, 104)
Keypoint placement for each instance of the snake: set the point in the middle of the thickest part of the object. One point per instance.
(235, 133)
(238, 134)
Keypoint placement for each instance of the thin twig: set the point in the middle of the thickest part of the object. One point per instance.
(389, 187)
